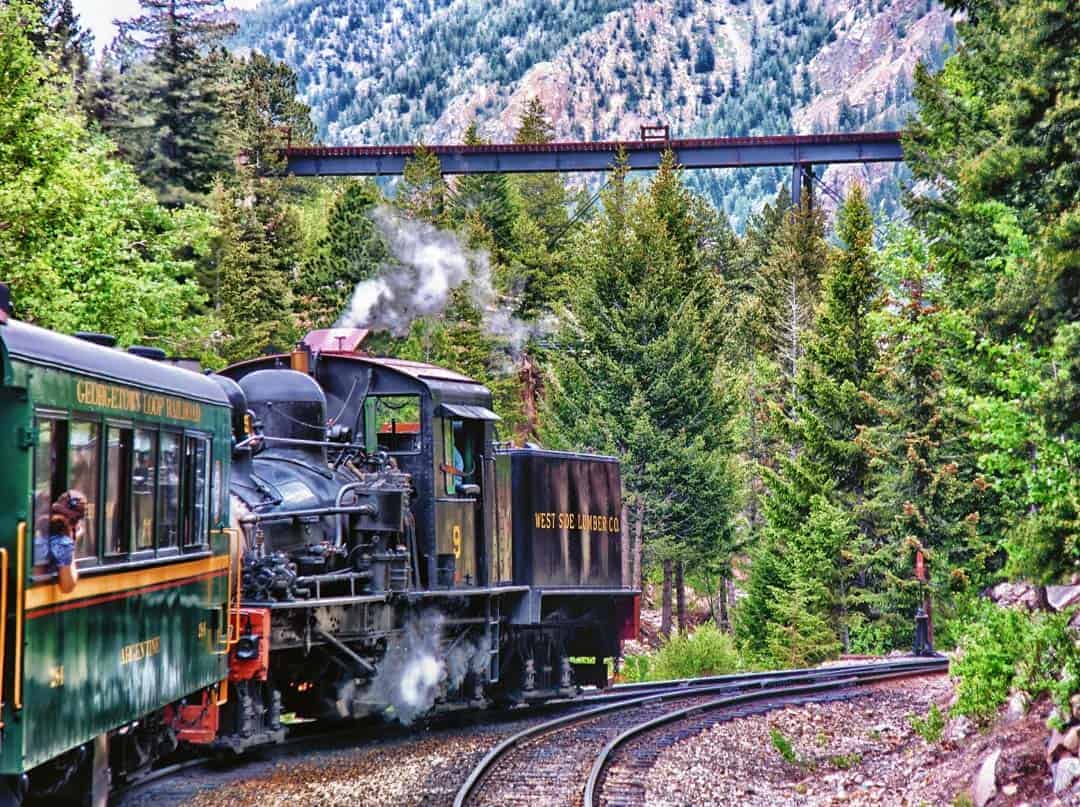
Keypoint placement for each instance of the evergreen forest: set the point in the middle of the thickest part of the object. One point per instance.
(802, 410)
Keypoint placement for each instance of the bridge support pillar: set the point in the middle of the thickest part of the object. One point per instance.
(802, 175)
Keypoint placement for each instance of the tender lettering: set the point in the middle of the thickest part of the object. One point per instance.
(579, 522)
(140, 650)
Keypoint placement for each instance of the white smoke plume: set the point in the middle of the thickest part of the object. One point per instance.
(416, 669)
(429, 264)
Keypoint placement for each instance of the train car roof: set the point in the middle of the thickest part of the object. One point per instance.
(40, 346)
(437, 379)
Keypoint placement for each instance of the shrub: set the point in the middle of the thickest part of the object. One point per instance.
(931, 727)
(1004, 649)
(706, 651)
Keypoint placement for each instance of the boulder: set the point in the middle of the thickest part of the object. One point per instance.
(1015, 595)
(1055, 747)
(1061, 597)
(1066, 771)
(1018, 705)
(1072, 739)
(985, 785)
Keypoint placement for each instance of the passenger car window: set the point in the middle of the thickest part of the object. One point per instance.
(168, 513)
(143, 485)
(117, 478)
(394, 420)
(83, 462)
(50, 478)
(196, 478)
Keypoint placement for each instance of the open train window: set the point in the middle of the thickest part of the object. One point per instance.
(196, 490)
(119, 442)
(84, 453)
(458, 460)
(392, 423)
(50, 477)
(168, 503)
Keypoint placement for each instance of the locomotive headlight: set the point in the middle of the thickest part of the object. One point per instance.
(247, 646)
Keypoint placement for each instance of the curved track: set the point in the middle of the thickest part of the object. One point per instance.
(567, 760)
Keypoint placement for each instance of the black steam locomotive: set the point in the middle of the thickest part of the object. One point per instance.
(397, 557)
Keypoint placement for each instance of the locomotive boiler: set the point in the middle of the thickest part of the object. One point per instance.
(397, 557)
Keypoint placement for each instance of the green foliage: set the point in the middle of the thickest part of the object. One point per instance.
(1004, 650)
(704, 651)
(818, 527)
(784, 747)
(349, 251)
(845, 761)
(82, 245)
(259, 252)
(168, 110)
(644, 319)
(931, 727)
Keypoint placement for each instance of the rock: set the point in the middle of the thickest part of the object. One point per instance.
(1072, 739)
(1018, 705)
(958, 728)
(985, 786)
(1074, 705)
(1061, 597)
(1066, 771)
(1015, 595)
(1055, 747)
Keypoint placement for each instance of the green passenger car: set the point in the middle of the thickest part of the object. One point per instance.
(148, 444)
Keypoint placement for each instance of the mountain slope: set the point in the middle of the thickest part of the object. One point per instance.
(378, 71)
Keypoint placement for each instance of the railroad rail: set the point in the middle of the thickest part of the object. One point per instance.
(581, 746)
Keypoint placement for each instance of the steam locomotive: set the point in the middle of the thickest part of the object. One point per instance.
(397, 557)
(321, 532)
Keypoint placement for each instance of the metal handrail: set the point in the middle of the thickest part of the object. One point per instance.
(3, 624)
(232, 589)
(20, 607)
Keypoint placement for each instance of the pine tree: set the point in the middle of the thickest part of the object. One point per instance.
(642, 330)
(351, 250)
(817, 511)
(258, 257)
(542, 195)
(488, 197)
(423, 192)
(264, 114)
(169, 116)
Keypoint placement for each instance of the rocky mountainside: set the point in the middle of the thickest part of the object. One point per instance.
(379, 71)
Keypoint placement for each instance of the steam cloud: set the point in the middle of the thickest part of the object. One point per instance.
(429, 264)
(415, 669)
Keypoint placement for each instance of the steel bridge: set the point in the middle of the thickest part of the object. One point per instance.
(801, 152)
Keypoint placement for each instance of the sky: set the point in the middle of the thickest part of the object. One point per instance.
(97, 15)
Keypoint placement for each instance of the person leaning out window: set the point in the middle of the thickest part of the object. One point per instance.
(57, 552)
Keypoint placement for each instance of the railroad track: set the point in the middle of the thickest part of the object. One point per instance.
(597, 755)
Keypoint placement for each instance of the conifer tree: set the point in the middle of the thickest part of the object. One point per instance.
(542, 199)
(263, 113)
(817, 508)
(351, 250)
(488, 198)
(258, 257)
(423, 193)
(169, 114)
(641, 330)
